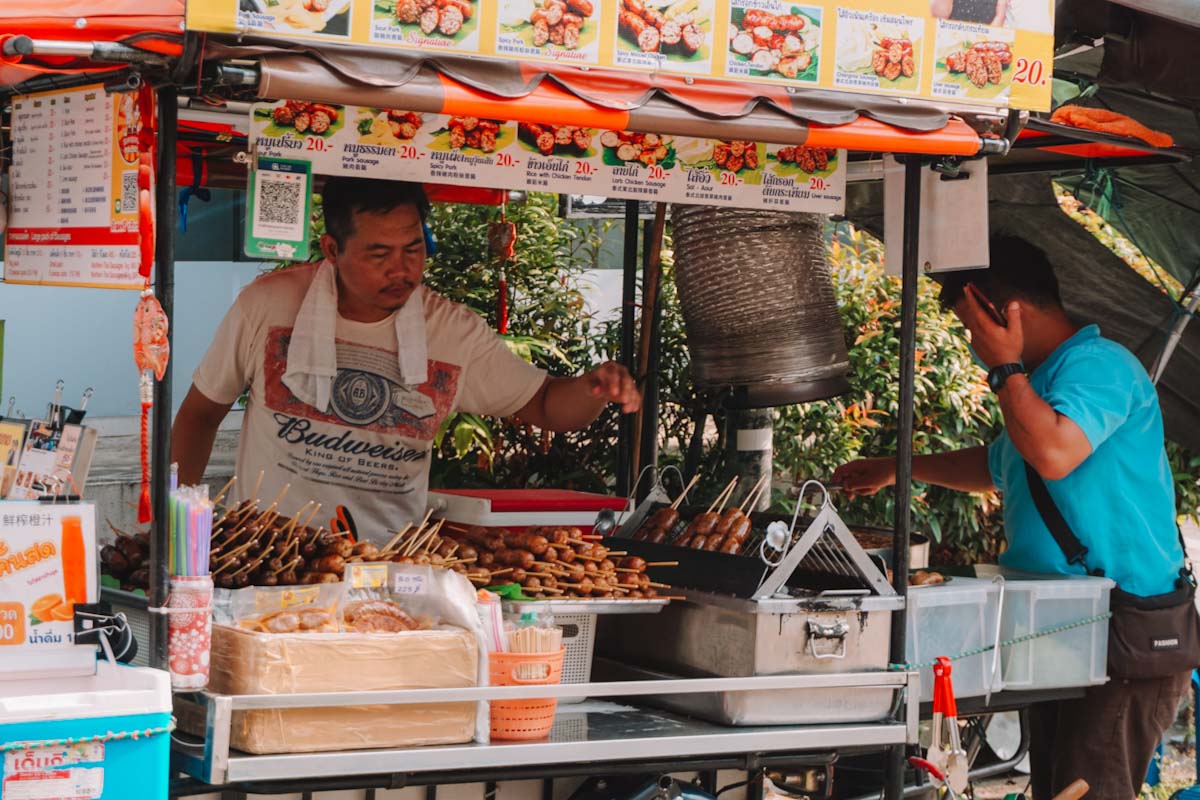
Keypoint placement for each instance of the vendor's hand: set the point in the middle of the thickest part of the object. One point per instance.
(865, 476)
(613, 382)
(993, 343)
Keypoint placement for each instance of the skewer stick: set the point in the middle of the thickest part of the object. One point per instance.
(728, 496)
(257, 485)
(396, 539)
(683, 495)
(618, 552)
(666, 597)
(724, 493)
(659, 585)
(627, 569)
(224, 490)
(311, 516)
(662, 563)
(420, 541)
(755, 493)
(493, 573)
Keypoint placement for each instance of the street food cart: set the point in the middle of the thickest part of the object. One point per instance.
(462, 95)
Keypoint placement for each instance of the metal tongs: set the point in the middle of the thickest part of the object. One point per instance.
(947, 756)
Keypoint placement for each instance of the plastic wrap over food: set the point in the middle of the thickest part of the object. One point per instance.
(280, 609)
(428, 596)
(312, 730)
(246, 662)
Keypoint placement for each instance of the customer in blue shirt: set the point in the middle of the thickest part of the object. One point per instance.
(1081, 410)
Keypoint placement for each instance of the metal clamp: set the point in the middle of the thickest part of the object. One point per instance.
(838, 630)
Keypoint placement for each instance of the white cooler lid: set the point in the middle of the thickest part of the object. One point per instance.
(112, 692)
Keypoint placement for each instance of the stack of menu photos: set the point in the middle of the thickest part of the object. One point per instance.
(41, 460)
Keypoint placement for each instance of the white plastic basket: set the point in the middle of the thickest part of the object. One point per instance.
(579, 637)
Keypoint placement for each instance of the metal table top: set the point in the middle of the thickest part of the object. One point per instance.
(590, 732)
(587, 732)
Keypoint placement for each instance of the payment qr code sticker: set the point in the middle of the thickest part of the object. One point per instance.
(280, 202)
(129, 193)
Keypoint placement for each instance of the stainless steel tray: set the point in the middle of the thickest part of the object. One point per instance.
(778, 707)
(586, 606)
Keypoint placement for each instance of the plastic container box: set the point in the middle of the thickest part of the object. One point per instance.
(579, 639)
(951, 618)
(1069, 658)
(117, 720)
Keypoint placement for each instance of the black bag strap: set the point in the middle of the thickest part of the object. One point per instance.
(1059, 528)
(1075, 551)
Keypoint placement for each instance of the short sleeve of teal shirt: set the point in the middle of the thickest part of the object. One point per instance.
(1095, 391)
(1120, 500)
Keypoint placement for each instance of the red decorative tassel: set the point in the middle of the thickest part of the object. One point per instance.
(502, 305)
(145, 511)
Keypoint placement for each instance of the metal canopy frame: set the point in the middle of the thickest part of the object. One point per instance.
(815, 737)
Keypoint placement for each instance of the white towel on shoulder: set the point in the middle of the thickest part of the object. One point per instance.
(312, 352)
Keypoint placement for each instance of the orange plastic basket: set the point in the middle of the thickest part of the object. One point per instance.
(524, 719)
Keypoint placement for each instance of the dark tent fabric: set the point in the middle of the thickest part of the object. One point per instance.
(1097, 286)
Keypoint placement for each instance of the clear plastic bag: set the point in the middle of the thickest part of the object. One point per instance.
(280, 609)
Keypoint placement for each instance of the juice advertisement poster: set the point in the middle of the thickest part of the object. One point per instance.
(47, 565)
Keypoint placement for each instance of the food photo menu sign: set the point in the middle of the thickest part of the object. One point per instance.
(468, 151)
(989, 52)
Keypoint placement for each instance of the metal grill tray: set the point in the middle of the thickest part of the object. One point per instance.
(586, 606)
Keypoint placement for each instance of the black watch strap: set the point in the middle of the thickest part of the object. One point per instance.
(999, 374)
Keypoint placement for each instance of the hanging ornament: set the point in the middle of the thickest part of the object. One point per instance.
(151, 349)
(502, 240)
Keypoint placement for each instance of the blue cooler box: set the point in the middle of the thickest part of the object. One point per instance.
(96, 737)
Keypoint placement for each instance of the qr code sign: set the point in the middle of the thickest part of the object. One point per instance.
(129, 193)
(280, 202)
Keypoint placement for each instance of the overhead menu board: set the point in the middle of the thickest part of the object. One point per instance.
(994, 52)
(73, 190)
(404, 145)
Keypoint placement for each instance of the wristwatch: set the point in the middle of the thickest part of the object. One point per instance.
(1000, 373)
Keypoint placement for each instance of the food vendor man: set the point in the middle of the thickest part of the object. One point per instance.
(1082, 412)
(350, 365)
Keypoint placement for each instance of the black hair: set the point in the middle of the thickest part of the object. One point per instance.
(342, 198)
(1019, 270)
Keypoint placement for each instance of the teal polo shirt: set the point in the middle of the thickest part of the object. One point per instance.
(1120, 501)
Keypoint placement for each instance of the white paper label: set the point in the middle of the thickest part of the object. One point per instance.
(78, 783)
(409, 584)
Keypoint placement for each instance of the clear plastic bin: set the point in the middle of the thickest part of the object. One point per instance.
(951, 618)
(1069, 658)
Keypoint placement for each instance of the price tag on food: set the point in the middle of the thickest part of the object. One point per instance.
(408, 584)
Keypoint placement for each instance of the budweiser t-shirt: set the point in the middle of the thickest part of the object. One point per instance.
(370, 451)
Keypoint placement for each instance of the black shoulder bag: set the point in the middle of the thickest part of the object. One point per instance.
(1148, 637)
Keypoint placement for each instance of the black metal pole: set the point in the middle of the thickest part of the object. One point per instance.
(903, 520)
(649, 443)
(625, 443)
(160, 438)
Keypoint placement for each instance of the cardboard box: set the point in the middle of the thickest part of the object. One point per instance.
(47, 564)
(254, 663)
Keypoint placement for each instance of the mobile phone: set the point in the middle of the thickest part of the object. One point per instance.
(996, 315)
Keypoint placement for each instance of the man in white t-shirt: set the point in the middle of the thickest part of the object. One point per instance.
(348, 380)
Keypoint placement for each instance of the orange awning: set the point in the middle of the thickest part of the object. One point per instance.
(600, 98)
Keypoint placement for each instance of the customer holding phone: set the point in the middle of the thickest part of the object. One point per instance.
(1082, 412)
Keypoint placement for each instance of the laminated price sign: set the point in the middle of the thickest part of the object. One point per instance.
(404, 145)
(986, 52)
(73, 190)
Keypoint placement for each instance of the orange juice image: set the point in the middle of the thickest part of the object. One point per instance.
(74, 567)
